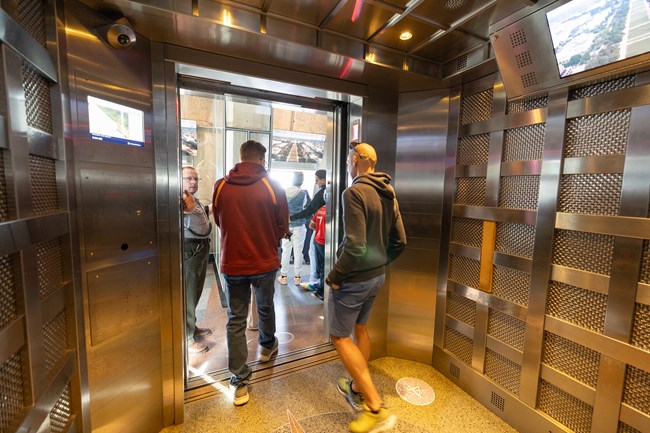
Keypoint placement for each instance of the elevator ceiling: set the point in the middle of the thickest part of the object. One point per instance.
(447, 36)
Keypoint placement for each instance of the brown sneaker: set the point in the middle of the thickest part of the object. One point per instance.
(201, 333)
(197, 348)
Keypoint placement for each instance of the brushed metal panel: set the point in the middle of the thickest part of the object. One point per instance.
(567, 384)
(465, 250)
(545, 222)
(643, 294)
(519, 216)
(504, 349)
(587, 280)
(54, 304)
(521, 168)
(619, 100)
(594, 164)
(634, 418)
(631, 227)
(120, 298)
(18, 234)
(12, 338)
(501, 122)
(42, 144)
(471, 171)
(117, 214)
(513, 262)
(462, 327)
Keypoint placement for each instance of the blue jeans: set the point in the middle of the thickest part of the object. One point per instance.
(196, 255)
(238, 294)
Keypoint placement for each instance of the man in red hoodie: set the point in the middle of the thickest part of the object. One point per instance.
(252, 214)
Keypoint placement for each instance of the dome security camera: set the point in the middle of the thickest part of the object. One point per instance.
(120, 36)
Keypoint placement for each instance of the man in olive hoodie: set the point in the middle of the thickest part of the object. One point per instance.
(374, 236)
(252, 214)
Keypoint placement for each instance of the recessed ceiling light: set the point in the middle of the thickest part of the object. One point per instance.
(405, 36)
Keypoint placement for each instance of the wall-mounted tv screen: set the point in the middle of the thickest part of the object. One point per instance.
(115, 123)
(587, 34)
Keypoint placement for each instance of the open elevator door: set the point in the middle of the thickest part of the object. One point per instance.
(300, 134)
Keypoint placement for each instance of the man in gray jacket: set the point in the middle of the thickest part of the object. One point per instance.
(374, 236)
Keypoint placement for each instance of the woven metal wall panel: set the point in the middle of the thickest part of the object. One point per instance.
(519, 192)
(644, 276)
(527, 105)
(573, 304)
(38, 103)
(511, 284)
(470, 191)
(565, 408)
(61, 413)
(11, 390)
(598, 194)
(49, 256)
(464, 270)
(587, 251)
(641, 330)
(515, 239)
(637, 384)
(7, 291)
(467, 231)
(55, 336)
(45, 196)
(477, 107)
(598, 134)
(461, 308)
(473, 150)
(571, 358)
(624, 428)
(602, 87)
(506, 329)
(503, 371)
(32, 18)
(523, 144)
(4, 199)
(459, 345)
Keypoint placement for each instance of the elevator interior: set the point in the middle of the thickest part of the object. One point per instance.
(524, 193)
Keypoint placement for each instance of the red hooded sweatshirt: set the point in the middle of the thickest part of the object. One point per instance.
(252, 214)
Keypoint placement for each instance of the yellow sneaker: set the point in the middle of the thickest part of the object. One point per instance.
(370, 422)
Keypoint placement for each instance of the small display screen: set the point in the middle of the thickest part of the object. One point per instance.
(591, 33)
(115, 123)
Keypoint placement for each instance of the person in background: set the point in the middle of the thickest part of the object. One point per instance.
(252, 214)
(196, 250)
(297, 199)
(317, 224)
(374, 236)
(317, 202)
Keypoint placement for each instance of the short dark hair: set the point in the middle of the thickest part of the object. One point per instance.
(252, 150)
(321, 174)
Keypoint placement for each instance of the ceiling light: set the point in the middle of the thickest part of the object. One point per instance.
(405, 36)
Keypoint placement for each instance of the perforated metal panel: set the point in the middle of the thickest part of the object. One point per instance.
(61, 413)
(624, 428)
(637, 384)
(506, 329)
(4, 200)
(459, 345)
(523, 144)
(511, 284)
(503, 371)
(473, 150)
(44, 191)
(582, 307)
(515, 239)
(522, 105)
(32, 19)
(565, 408)
(467, 231)
(470, 191)
(570, 358)
(7, 291)
(50, 266)
(464, 270)
(37, 100)
(11, 390)
(477, 107)
(598, 134)
(600, 87)
(641, 330)
(591, 193)
(55, 338)
(519, 192)
(587, 251)
(461, 308)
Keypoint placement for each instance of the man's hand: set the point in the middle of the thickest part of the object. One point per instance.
(331, 284)
(188, 201)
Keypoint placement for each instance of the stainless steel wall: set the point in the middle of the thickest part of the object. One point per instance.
(543, 304)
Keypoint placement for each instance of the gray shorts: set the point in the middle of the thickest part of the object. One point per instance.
(351, 305)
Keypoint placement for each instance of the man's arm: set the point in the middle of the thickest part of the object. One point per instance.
(281, 212)
(312, 207)
(397, 236)
(355, 244)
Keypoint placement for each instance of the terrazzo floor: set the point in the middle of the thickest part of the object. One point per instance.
(311, 398)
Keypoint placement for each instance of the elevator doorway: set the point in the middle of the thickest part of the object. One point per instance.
(300, 135)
